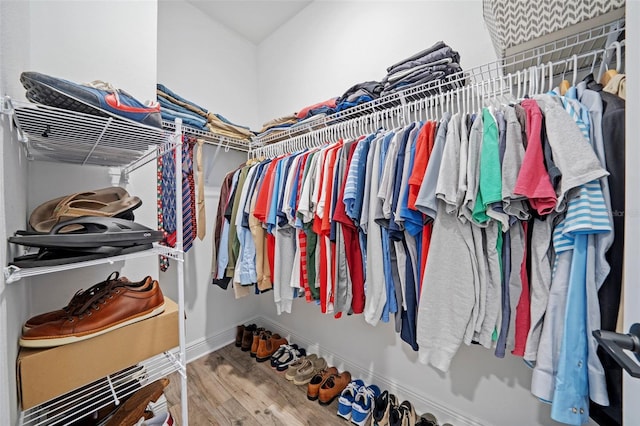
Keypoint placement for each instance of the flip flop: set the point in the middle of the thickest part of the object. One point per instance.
(93, 232)
(108, 202)
(54, 257)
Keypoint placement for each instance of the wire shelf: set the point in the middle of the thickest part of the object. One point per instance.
(211, 138)
(576, 44)
(88, 399)
(54, 134)
(13, 273)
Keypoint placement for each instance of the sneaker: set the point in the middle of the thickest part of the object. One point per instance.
(383, 405)
(289, 357)
(76, 301)
(363, 404)
(96, 98)
(427, 419)
(347, 396)
(305, 374)
(296, 365)
(116, 305)
(282, 350)
(163, 419)
(403, 415)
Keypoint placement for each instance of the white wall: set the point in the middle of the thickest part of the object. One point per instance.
(82, 41)
(330, 46)
(631, 386)
(204, 62)
(321, 52)
(14, 33)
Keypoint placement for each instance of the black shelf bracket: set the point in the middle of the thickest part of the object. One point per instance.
(615, 344)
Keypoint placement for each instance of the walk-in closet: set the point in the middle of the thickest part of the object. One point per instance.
(313, 212)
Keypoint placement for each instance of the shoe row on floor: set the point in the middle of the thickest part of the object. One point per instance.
(362, 404)
(103, 307)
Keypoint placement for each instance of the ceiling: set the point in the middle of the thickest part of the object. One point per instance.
(254, 20)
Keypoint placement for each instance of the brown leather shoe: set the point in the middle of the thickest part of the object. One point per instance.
(76, 301)
(133, 408)
(239, 334)
(117, 305)
(256, 340)
(313, 389)
(247, 337)
(333, 386)
(267, 347)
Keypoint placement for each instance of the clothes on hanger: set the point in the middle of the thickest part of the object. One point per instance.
(461, 230)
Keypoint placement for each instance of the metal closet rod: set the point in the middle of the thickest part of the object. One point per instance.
(502, 89)
(562, 48)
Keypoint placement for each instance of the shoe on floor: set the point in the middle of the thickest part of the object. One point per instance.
(239, 334)
(332, 387)
(257, 333)
(346, 398)
(115, 306)
(427, 419)
(298, 364)
(289, 357)
(363, 404)
(247, 337)
(402, 415)
(268, 346)
(163, 419)
(96, 98)
(282, 350)
(382, 408)
(313, 388)
(129, 412)
(306, 372)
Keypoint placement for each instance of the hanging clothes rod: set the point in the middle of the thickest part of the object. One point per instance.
(581, 44)
(500, 89)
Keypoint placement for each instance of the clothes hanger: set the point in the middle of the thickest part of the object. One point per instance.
(564, 84)
(610, 73)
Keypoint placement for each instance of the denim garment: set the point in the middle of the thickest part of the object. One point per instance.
(187, 119)
(164, 89)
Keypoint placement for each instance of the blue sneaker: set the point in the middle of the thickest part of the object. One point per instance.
(362, 406)
(347, 396)
(97, 98)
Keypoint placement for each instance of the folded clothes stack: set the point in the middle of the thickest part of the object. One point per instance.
(358, 94)
(435, 63)
(174, 106)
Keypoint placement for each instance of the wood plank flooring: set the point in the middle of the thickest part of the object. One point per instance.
(228, 387)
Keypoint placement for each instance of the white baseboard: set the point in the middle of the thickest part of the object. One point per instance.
(205, 346)
(422, 403)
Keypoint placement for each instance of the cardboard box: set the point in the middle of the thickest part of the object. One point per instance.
(43, 374)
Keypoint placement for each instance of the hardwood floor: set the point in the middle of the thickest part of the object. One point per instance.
(228, 387)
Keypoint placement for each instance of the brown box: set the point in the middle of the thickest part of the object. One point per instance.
(43, 374)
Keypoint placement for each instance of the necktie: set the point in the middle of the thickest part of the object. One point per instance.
(167, 202)
(188, 194)
(202, 218)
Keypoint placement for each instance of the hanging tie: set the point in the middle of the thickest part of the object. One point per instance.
(188, 195)
(167, 202)
(202, 218)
